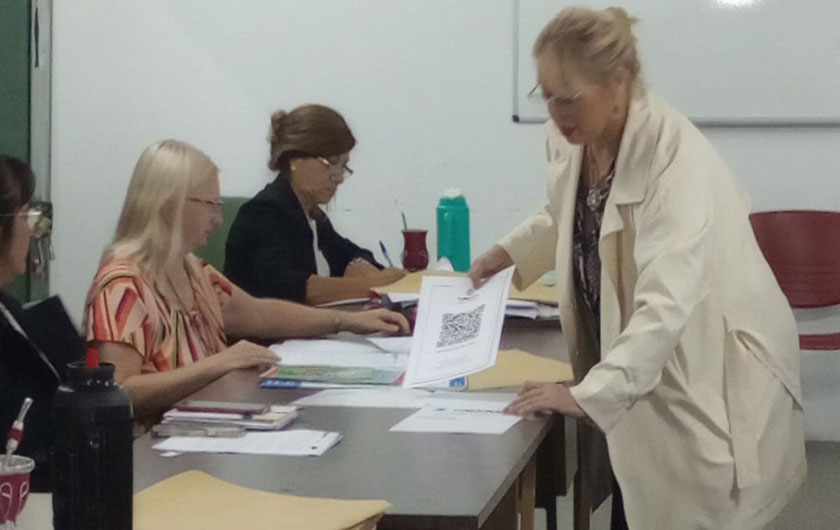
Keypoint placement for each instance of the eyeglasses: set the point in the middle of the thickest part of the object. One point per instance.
(338, 172)
(216, 205)
(32, 215)
(558, 103)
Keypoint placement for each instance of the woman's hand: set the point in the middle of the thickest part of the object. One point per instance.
(488, 264)
(245, 354)
(365, 322)
(385, 276)
(535, 397)
(359, 268)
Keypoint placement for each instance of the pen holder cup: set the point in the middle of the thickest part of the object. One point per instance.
(14, 488)
(415, 257)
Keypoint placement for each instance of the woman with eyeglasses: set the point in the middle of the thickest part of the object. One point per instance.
(281, 243)
(32, 351)
(684, 348)
(161, 315)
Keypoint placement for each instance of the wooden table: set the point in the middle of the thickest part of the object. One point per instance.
(433, 481)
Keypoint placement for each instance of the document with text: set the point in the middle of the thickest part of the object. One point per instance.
(458, 328)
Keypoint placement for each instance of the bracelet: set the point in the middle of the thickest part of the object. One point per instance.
(356, 260)
(336, 321)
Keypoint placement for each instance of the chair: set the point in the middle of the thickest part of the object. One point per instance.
(214, 250)
(803, 250)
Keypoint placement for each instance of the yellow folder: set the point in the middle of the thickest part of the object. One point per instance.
(514, 367)
(196, 501)
(410, 283)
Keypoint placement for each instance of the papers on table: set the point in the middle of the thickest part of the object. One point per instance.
(277, 417)
(476, 421)
(197, 500)
(375, 352)
(539, 291)
(341, 375)
(404, 398)
(374, 397)
(285, 443)
(514, 367)
(458, 328)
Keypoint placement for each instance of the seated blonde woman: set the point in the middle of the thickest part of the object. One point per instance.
(161, 315)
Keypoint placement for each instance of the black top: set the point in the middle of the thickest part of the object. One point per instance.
(33, 366)
(269, 250)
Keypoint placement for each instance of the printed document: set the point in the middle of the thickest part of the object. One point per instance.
(475, 421)
(458, 328)
(285, 443)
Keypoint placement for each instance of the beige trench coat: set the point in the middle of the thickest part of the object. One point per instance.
(697, 385)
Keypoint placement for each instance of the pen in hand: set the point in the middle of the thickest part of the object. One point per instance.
(385, 253)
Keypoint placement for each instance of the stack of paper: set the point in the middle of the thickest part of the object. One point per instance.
(198, 500)
(410, 284)
(283, 443)
(277, 417)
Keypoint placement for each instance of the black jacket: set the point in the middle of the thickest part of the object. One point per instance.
(24, 372)
(269, 247)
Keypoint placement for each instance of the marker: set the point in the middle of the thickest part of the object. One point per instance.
(385, 253)
(16, 433)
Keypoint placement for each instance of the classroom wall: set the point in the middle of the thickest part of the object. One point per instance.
(425, 85)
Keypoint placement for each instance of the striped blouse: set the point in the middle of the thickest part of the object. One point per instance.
(123, 306)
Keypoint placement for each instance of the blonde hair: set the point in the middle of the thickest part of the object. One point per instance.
(149, 228)
(598, 42)
(308, 130)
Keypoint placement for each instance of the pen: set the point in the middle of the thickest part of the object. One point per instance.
(385, 253)
(402, 213)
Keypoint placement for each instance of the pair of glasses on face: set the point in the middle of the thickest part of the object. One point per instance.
(216, 205)
(559, 103)
(32, 217)
(337, 171)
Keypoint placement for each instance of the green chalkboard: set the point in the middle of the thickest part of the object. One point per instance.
(14, 94)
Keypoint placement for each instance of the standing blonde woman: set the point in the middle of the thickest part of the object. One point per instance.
(684, 347)
(161, 315)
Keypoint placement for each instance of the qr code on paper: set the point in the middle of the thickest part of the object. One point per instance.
(459, 328)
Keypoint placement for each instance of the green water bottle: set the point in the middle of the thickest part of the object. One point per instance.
(453, 228)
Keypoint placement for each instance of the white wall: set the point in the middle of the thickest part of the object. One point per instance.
(426, 86)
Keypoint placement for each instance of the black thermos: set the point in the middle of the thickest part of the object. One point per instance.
(92, 462)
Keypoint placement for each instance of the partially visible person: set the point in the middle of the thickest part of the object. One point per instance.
(161, 315)
(684, 347)
(281, 243)
(32, 351)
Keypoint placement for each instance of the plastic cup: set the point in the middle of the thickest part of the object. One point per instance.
(14, 488)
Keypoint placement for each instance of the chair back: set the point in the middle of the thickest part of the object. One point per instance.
(803, 250)
(214, 250)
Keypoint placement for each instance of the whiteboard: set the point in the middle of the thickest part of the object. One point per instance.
(771, 62)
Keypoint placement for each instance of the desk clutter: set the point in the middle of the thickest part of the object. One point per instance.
(197, 500)
(454, 346)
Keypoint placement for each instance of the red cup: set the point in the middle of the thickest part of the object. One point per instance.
(14, 487)
(415, 257)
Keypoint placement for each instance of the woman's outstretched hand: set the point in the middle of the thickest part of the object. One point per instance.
(488, 264)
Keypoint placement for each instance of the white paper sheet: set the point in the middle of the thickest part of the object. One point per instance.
(406, 398)
(432, 419)
(284, 443)
(458, 329)
(380, 397)
(361, 352)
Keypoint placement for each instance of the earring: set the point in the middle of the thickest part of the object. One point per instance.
(293, 167)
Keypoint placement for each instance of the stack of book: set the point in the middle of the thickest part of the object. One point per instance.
(223, 419)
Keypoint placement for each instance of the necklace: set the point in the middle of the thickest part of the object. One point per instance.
(595, 195)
